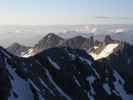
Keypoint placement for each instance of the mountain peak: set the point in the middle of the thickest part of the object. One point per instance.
(51, 35)
(50, 40)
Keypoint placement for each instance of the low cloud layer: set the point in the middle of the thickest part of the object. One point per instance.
(112, 18)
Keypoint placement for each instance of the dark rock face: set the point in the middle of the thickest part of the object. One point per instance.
(108, 39)
(122, 60)
(75, 42)
(80, 42)
(89, 43)
(5, 85)
(62, 74)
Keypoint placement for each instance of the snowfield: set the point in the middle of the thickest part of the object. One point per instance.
(105, 52)
(28, 53)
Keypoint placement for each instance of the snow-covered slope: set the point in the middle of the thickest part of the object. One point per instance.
(107, 50)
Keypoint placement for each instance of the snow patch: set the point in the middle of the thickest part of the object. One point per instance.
(95, 47)
(19, 86)
(32, 83)
(91, 80)
(57, 87)
(107, 88)
(55, 65)
(28, 53)
(45, 85)
(105, 52)
(77, 82)
(120, 87)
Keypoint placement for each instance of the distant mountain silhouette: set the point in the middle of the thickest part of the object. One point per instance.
(49, 41)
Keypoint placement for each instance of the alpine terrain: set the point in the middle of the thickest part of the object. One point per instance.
(62, 74)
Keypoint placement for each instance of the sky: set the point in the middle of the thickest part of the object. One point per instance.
(66, 12)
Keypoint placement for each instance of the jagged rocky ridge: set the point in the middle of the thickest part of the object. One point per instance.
(52, 40)
(17, 49)
(61, 74)
(78, 42)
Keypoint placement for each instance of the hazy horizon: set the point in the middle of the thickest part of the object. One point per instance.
(30, 35)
